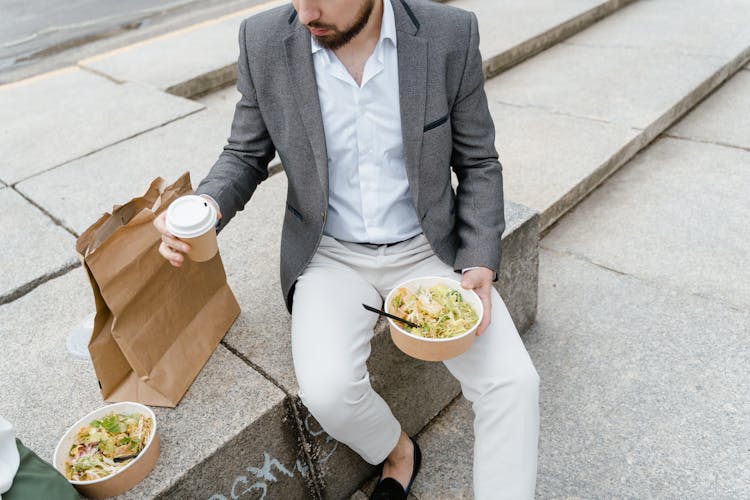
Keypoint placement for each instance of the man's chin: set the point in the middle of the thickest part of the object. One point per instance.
(330, 42)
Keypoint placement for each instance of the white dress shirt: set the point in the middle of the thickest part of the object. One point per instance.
(369, 199)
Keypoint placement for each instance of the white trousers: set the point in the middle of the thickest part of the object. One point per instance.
(331, 334)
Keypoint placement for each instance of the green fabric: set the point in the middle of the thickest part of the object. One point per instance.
(38, 480)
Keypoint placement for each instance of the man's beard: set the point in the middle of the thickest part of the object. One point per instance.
(336, 38)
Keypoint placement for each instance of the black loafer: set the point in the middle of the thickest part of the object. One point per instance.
(389, 488)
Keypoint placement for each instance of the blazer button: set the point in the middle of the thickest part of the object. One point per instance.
(323, 215)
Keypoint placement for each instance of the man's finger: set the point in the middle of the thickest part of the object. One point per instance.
(175, 243)
(174, 257)
(487, 306)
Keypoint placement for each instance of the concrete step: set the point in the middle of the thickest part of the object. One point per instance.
(569, 117)
(120, 105)
(35, 248)
(260, 337)
(642, 390)
(231, 417)
(90, 112)
(254, 434)
(658, 281)
(723, 118)
(203, 57)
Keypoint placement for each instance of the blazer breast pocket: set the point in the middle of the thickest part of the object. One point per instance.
(436, 123)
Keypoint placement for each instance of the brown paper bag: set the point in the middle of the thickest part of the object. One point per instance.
(156, 325)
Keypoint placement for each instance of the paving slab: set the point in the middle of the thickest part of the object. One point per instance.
(230, 420)
(642, 394)
(35, 248)
(673, 216)
(633, 92)
(723, 118)
(576, 154)
(700, 27)
(631, 86)
(79, 192)
(510, 31)
(643, 388)
(447, 455)
(73, 113)
(185, 62)
(513, 30)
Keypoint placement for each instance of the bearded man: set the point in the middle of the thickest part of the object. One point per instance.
(369, 104)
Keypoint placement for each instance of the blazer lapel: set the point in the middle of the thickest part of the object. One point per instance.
(302, 77)
(412, 80)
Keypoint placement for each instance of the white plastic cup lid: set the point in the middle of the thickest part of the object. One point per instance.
(190, 216)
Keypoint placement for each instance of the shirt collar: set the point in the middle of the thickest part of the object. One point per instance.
(387, 31)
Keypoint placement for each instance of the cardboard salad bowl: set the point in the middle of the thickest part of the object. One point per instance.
(124, 478)
(429, 349)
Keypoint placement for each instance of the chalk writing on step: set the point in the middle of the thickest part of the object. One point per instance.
(256, 483)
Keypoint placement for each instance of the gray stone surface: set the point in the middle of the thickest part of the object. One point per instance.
(643, 387)
(34, 247)
(642, 394)
(723, 118)
(577, 153)
(185, 62)
(57, 117)
(513, 30)
(519, 269)
(358, 495)
(700, 27)
(510, 31)
(226, 421)
(598, 102)
(79, 192)
(632, 86)
(674, 216)
(447, 455)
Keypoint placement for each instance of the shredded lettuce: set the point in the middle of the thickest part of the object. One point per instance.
(107, 444)
(440, 310)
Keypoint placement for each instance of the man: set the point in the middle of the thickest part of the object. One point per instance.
(369, 103)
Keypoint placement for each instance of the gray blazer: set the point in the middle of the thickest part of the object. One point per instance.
(444, 119)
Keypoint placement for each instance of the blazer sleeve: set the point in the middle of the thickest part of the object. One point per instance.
(480, 219)
(243, 163)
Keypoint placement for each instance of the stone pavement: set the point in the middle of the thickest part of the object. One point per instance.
(639, 336)
(642, 332)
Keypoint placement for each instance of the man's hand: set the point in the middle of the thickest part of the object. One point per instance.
(172, 248)
(480, 280)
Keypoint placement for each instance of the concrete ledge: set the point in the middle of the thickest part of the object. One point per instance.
(35, 248)
(230, 432)
(634, 92)
(193, 61)
(723, 118)
(58, 117)
(572, 18)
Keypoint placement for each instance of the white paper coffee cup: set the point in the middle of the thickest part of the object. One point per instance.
(193, 219)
